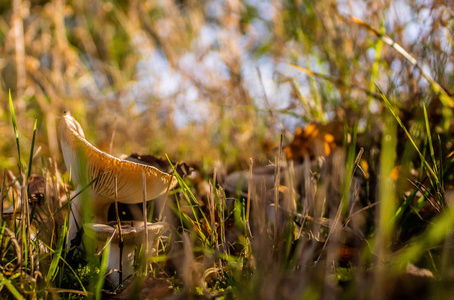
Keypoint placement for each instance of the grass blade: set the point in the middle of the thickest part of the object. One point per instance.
(102, 272)
(387, 206)
(31, 151)
(445, 99)
(192, 200)
(390, 107)
(10, 287)
(16, 134)
(57, 255)
(429, 137)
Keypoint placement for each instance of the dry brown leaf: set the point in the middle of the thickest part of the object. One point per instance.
(315, 140)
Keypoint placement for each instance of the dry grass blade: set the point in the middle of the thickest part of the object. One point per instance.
(1, 195)
(145, 231)
(68, 291)
(10, 269)
(276, 190)
(211, 206)
(117, 217)
(426, 194)
(19, 44)
(338, 217)
(249, 191)
(1, 211)
(436, 87)
(113, 135)
(360, 211)
(336, 81)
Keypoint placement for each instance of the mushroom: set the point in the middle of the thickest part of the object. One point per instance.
(86, 163)
(133, 235)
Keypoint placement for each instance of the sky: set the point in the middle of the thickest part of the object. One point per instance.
(157, 78)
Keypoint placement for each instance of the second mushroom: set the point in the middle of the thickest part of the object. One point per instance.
(121, 258)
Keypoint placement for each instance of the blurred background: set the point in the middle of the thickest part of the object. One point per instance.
(210, 82)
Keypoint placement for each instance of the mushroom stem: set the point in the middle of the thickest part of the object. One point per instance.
(127, 260)
(132, 236)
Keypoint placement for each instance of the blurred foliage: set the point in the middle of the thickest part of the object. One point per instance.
(206, 78)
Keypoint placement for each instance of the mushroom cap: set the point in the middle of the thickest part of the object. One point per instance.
(86, 163)
(132, 231)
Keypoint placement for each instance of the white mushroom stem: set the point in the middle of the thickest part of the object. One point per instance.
(132, 235)
(127, 259)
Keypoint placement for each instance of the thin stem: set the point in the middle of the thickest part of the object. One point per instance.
(117, 216)
(113, 135)
(276, 190)
(1, 212)
(1, 194)
(145, 229)
(249, 191)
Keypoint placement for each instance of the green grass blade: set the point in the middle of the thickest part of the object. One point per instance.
(31, 151)
(10, 287)
(376, 66)
(441, 168)
(25, 245)
(350, 166)
(429, 137)
(389, 106)
(57, 255)
(192, 200)
(387, 189)
(439, 179)
(437, 231)
(102, 272)
(70, 268)
(16, 134)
